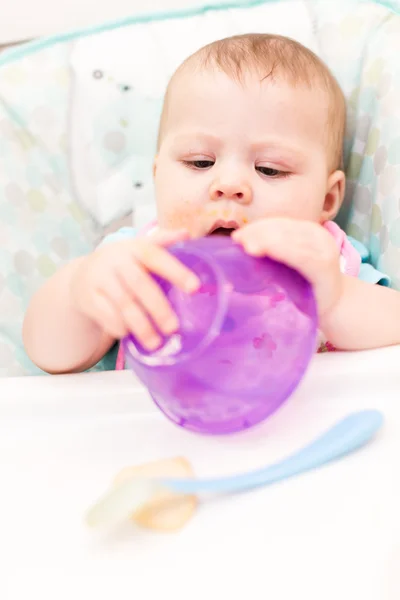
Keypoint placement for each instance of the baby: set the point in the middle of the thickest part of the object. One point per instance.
(250, 145)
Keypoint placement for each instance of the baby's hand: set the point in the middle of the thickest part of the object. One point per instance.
(113, 286)
(302, 245)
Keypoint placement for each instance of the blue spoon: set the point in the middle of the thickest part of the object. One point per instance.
(346, 436)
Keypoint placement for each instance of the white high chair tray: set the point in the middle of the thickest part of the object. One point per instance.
(333, 533)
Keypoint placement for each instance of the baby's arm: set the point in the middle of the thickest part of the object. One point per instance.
(57, 337)
(366, 316)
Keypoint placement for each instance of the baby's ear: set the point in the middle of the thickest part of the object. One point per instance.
(155, 165)
(334, 195)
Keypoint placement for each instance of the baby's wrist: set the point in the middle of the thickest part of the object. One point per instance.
(329, 313)
(75, 287)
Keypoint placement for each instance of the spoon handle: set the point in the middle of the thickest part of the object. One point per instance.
(343, 438)
(350, 434)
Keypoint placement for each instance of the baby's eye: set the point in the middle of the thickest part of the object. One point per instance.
(199, 164)
(269, 172)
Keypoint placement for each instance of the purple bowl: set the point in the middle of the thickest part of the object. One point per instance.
(245, 340)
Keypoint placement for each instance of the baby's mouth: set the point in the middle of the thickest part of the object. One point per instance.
(222, 231)
(224, 228)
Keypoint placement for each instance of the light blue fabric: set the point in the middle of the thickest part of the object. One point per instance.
(361, 249)
(368, 272)
(125, 233)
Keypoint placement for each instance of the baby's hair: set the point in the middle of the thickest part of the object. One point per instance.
(273, 57)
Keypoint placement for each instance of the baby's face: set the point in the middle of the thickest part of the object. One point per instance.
(233, 153)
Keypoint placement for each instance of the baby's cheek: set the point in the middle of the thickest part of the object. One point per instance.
(296, 198)
(183, 216)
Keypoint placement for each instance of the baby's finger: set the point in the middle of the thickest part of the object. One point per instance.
(304, 246)
(260, 237)
(160, 262)
(149, 295)
(124, 301)
(107, 317)
(139, 324)
(166, 237)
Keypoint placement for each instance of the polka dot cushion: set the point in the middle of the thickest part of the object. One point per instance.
(41, 224)
(371, 32)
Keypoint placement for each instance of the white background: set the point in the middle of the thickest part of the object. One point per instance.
(333, 534)
(25, 19)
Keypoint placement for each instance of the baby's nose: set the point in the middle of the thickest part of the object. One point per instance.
(239, 192)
